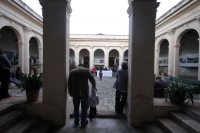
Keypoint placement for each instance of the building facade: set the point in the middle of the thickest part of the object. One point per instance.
(172, 44)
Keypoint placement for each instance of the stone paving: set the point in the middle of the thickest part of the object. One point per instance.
(105, 92)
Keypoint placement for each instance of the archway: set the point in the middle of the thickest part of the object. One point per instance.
(72, 59)
(189, 55)
(163, 57)
(8, 41)
(99, 58)
(34, 55)
(84, 58)
(114, 58)
(126, 55)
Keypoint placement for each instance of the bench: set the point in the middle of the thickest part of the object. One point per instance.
(191, 84)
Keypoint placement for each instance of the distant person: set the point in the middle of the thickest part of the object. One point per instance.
(105, 68)
(5, 67)
(19, 74)
(14, 81)
(100, 75)
(94, 101)
(79, 89)
(121, 88)
(159, 83)
(94, 70)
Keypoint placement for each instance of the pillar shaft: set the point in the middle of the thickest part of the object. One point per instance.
(106, 57)
(142, 17)
(21, 55)
(40, 50)
(91, 58)
(56, 18)
(199, 61)
(76, 56)
(176, 60)
(157, 56)
(26, 50)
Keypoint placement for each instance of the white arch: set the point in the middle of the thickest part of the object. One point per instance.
(99, 49)
(38, 39)
(113, 49)
(182, 31)
(178, 37)
(17, 31)
(159, 42)
(82, 49)
(72, 49)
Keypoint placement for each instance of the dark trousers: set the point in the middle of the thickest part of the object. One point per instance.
(4, 79)
(84, 106)
(93, 111)
(120, 101)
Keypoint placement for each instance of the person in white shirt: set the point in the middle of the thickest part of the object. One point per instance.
(94, 101)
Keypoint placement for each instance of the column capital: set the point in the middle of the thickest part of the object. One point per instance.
(198, 18)
(55, 4)
(157, 50)
(135, 5)
(76, 46)
(20, 43)
(177, 46)
(106, 47)
(91, 46)
(27, 29)
(171, 32)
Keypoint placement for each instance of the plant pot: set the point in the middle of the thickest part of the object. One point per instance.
(180, 100)
(32, 96)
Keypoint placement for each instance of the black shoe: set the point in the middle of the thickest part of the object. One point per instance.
(83, 125)
(76, 123)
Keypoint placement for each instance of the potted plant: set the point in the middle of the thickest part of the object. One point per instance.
(178, 93)
(31, 84)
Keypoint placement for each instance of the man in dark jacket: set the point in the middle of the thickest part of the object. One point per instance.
(5, 67)
(79, 89)
(121, 88)
(159, 83)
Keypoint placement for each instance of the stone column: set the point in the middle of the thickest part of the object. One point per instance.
(56, 18)
(142, 16)
(121, 57)
(176, 60)
(106, 58)
(21, 55)
(27, 30)
(40, 50)
(171, 53)
(199, 61)
(76, 55)
(157, 56)
(91, 57)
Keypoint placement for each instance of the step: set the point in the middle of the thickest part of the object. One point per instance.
(41, 127)
(105, 114)
(5, 108)
(153, 128)
(10, 117)
(170, 126)
(193, 112)
(187, 121)
(23, 125)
